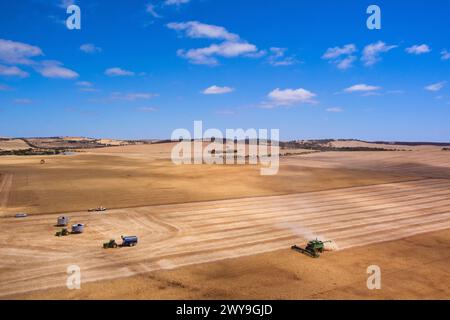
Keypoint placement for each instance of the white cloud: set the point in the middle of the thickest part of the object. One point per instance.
(361, 88)
(131, 96)
(418, 49)
(66, 3)
(226, 49)
(336, 52)
(231, 46)
(341, 56)
(12, 52)
(147, 109)
(445, 55)
(335, 110)
(18, 53)
(371, 53)
(278, 57)
(136, 96)
(57, 20)
(289, 97)
(217, 90)
(90, 48)
(176, 2)
(226, 112)
(12, 71)
(345, 63)
(371, 94)
(195, 29)
(54, 69)
(84, 84)
(150, 8)
(22, 101)
(89, 89)
(436, 86)
(395, 92)
(257, 54)
(118, 72)
(4, 87)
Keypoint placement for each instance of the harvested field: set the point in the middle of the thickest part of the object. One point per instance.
(433, 163)
(13, 144)
(78, 182)
(391, 146)
(62, 143)
(201, 221)
(184, 234)
(147, 151)
(5, 187)
(412, 268)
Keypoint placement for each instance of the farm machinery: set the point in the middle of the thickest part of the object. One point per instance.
(99, 209)
(126, 242)
(76, 229)
(313, 249)
(112, 244)
(64, 232)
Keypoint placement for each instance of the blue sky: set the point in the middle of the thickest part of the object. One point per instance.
(140, 69)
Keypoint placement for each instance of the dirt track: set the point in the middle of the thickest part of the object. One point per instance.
(31, 258)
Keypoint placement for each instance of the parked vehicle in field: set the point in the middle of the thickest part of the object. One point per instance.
(21, 215)
(99, 209)
(129, 241)
(112, 244)
(64, 232)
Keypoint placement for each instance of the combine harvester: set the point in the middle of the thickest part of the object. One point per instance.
(313, 249)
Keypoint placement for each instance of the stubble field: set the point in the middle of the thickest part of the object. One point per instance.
(198, 225)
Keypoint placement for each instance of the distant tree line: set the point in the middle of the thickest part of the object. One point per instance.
(29, 152)
(323, 145)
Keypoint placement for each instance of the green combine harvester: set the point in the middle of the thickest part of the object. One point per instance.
(313, 249)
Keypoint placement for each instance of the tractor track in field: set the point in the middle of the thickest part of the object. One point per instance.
(5, 187)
